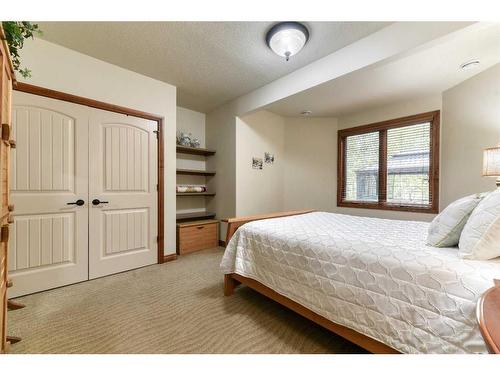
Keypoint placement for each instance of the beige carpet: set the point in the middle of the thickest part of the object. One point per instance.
(177, 307)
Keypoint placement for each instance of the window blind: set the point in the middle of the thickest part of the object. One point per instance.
(362, 167)
(390, 165)
(408, 164)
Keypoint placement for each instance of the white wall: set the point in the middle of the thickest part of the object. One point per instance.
(259, 190)
(310, 178)
(65, 70)
(471, 123)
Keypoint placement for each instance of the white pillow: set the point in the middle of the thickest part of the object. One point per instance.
(480, 238)
(445, 229)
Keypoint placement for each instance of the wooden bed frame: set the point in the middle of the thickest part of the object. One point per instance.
(232, 280)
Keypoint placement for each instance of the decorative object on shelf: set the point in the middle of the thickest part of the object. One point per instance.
(187, 140)
(269, 158)
(191, 188)
(16, 32)
(287, 38)
(257, 163)
(491, 163)
(195, 142)
(184, 139)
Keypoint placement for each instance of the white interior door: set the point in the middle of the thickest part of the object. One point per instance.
(123, 176)
(49, 169)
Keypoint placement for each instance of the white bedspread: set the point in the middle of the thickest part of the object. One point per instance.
(375, 276)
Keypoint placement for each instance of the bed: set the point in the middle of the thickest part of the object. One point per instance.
(372, 281)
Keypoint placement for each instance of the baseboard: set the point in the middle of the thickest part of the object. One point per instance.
(222, 243)
(169, 258)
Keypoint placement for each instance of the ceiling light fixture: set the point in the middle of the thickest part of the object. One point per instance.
(287, 38)
(306, 113)
(470, 64)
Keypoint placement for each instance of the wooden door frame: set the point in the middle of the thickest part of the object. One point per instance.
(54, 94)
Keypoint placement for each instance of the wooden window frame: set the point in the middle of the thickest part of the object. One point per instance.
(382, 127)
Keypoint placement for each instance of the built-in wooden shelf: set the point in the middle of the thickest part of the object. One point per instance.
(195, 151)
(195, 216)
(195, 194)
(195, 172)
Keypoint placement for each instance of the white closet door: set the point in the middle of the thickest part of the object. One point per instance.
(123, 176)
(49, 169)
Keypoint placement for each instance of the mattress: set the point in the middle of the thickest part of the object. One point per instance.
(375, 276)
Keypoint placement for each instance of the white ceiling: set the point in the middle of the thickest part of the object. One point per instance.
(209, 62)
(426, 71)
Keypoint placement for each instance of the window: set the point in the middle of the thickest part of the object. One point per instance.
(391, 165)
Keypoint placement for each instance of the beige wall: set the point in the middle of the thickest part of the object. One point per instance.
(306, 175)
(471, 123)
(311, 157)
(304, 172)
(259, 190)
(221, 136)
(392, 111)
(310, 177)
(65, 70)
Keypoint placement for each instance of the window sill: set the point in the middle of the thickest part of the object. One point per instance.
(389, 207)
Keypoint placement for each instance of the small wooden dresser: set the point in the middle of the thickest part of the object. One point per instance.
(197, 235)
(6, 81)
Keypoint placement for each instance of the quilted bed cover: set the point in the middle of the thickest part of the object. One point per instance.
(375, 276)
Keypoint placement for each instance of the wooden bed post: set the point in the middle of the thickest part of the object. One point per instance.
(229, 285)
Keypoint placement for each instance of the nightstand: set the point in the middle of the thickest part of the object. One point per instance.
(488, 316)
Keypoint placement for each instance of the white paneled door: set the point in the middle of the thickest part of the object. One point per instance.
(84, 188)
(49, 189)
(123, 196)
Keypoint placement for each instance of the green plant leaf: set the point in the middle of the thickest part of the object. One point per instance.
(16, 32)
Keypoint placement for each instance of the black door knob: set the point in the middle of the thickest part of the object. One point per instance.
(79, 202)
(96, 202)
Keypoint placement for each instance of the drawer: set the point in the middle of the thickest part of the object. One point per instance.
(194, 237)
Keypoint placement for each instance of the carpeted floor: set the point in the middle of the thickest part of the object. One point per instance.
(177, 307)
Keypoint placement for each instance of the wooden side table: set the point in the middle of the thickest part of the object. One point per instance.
(197, 235)
(488, 317)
